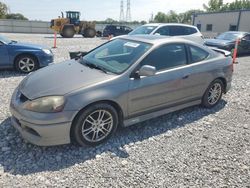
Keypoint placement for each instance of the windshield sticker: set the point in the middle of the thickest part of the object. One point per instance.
(132, 44)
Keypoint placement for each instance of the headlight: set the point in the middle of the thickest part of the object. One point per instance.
(47, 51)
(49, 104)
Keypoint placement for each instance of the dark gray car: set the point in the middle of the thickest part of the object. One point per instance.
(227, 41)
(123, 82)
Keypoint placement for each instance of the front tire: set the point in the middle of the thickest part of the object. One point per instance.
(95, 124)
(213, 94)
(68, 32)
(26, 64)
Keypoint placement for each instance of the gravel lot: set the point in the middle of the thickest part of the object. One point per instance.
(194, 147)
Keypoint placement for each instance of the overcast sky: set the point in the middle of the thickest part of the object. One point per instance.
(99, 9)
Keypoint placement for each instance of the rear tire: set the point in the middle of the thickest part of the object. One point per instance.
(95, 124)
(68, 32)
(26, 63)
(213, 94)
(89, 33)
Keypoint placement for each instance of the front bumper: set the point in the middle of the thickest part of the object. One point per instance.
(43, 129)
(45, 60)
(43, 135)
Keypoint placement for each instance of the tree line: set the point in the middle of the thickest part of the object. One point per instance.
(5, 15)
(212, 6)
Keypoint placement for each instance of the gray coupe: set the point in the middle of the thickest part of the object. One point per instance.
(122, 82)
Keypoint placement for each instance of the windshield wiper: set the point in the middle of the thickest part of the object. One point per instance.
(12, 42)
(94, 66)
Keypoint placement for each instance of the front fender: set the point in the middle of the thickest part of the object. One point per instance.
(17, 52)
(117, 93)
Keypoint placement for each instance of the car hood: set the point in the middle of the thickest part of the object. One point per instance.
(217, 42)
(60, 79)
(27, 45)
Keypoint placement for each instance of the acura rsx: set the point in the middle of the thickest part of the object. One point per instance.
(122, 82)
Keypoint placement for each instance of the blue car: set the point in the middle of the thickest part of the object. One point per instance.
(23, 57)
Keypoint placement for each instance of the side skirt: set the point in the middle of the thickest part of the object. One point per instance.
(145, 117)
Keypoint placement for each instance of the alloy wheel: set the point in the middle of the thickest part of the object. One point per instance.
(26, 64)
(97, 126)
(214, 93)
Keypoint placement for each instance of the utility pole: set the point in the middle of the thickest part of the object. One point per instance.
(121, 12)
(128, 14)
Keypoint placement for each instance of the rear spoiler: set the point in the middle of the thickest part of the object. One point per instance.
(224, 52)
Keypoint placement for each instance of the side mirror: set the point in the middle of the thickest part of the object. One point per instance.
(243, 40)
(147, 70)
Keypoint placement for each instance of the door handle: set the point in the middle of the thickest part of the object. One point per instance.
(185, 77)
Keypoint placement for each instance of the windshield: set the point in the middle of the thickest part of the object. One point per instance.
(229, 36)
(142, 30)
(116, 56)
(5, 40)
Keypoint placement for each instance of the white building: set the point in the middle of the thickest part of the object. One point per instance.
(218, 22)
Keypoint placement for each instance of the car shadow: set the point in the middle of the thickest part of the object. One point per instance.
(59, 37)
(19, 157)
(9, 73)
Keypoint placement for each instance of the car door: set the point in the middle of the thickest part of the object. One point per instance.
(245, 44)
(163, 89)
(198, 77)
(4, 56)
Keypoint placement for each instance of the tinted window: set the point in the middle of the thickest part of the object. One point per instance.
(197, 54)
(189, 30)
(165, 57)
(163, 31)
(176, 30)
(181, 30)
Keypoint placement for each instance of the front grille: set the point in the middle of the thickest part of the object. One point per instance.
(23, 98)
(52, 23)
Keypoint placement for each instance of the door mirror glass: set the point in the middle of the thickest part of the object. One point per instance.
(147, 70)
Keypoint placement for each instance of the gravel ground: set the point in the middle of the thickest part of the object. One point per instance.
(194, 147)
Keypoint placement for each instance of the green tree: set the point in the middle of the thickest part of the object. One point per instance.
(214, 6)
(186, 17)
(237, 5)
(160, 17)
(3, 10)
(16, 16)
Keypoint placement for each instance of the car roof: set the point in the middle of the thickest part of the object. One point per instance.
(155, 39)
(169, 24)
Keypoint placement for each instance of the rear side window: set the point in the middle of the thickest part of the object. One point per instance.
(197, 54)
(166, 57)
(181, 30)
(176, 30)
(189, 30)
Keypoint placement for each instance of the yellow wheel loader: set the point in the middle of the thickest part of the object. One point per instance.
(71, 25)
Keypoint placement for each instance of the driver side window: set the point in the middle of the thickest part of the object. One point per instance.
(166, 57)
(163, 31)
